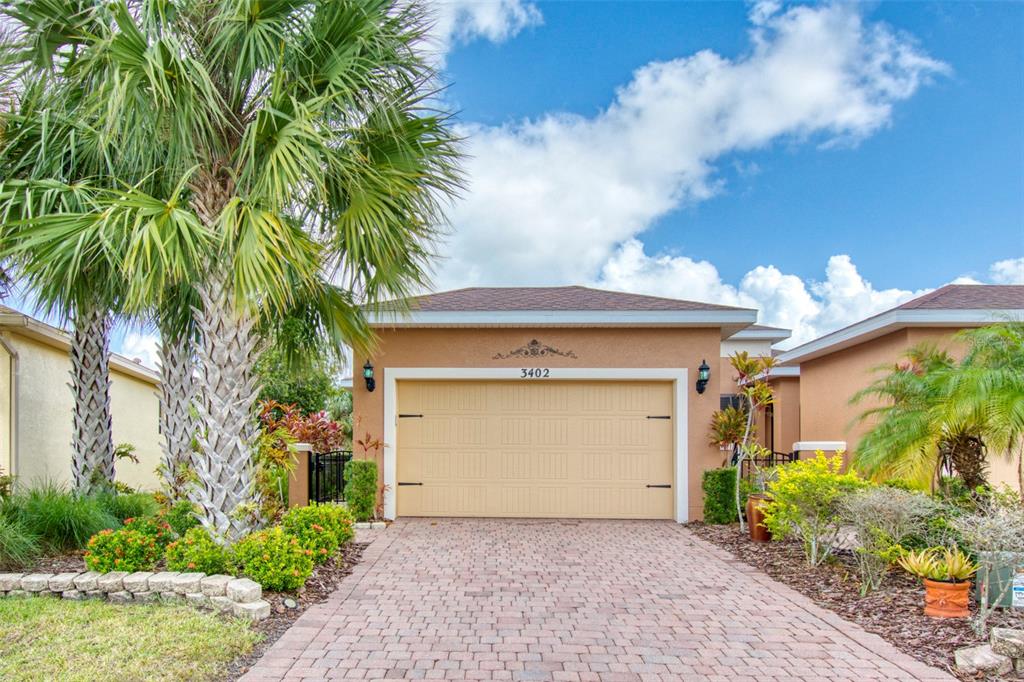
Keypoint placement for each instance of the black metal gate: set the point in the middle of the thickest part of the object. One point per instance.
(327, 475)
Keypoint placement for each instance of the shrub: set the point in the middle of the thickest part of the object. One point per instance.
(180, 516)
(321, 528)
(274, 559)
(719, 495)
(128, 505)
(197, 551)
(805, 501)
(121, 550)
(62, 520)
(883, 519)
(361, 488)
(18, 547)
(155, 528)
(994, 533)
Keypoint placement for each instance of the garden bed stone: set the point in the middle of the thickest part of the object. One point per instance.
(244, 598)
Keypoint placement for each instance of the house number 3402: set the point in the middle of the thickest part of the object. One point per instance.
(534, 373)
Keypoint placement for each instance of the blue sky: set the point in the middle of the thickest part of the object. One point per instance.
(902, 172)
(949, 168)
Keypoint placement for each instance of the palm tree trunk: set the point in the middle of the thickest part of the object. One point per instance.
(177, 423)
(225, 394)
(968, 457)
(92, 461)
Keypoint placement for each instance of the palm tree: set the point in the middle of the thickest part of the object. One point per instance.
(930, 420)
(81, 288)
(257, 147)
(990, 381)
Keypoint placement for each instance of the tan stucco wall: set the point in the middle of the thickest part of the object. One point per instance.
(6, 434)
(592, 347)
(786, 408)
(827, 384)
(45, 409)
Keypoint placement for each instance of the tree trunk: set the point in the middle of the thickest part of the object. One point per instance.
(177, 423)
(225, 394)
(968, 458)
(92, 461)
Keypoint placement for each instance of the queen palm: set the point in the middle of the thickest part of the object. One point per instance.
(257, 147)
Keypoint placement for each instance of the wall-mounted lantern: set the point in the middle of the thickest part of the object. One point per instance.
(703, 374)
(371, 383)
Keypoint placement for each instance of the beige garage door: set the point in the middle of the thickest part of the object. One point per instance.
(598, 449)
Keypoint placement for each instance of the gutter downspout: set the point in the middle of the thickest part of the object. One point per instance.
(15, 403)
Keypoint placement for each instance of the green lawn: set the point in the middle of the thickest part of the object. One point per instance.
(51, 639)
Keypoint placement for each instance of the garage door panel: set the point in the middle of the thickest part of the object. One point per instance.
(549, 449)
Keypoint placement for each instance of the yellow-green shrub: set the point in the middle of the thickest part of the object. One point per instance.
(121, 550)
(274, 559)
(805, 502)
(196, 551)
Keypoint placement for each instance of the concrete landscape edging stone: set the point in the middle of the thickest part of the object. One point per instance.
(222, 593)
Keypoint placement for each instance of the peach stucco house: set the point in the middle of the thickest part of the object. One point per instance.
(832, 368)
(546, 402)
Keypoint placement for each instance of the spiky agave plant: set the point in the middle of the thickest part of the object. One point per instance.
(257, 147)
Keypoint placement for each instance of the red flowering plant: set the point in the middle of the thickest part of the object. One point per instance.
(274, 559)
(321, 528)
(156, 528)
(196, 552)
(121, 550)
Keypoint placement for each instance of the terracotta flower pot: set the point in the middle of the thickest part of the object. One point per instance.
(755, 519)
(946, 600)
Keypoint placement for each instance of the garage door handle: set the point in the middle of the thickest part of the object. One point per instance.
(410, 416)
(409, 483)
(659, 485)
(659, 416)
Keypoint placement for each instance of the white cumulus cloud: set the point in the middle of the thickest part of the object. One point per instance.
(462, 21)
(551, 199)
(783, 300)
(1009, 271)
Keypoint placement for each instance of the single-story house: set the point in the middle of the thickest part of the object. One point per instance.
(545, 402)
(828, 371)
(36, 405)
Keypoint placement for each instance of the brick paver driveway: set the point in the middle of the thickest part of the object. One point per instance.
(570, 600)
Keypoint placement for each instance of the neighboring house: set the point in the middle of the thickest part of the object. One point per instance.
(36, 405)
(834, 367)
(545, 402)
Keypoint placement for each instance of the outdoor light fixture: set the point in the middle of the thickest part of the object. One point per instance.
(703, 374)
(368, 375)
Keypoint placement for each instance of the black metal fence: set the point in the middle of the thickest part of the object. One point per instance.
(752, 464)
(327, 475)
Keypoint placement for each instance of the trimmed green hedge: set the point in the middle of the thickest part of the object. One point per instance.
(361, 488)
(719, 495)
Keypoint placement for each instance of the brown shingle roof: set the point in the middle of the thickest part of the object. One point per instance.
(970, 297)
(549, 298)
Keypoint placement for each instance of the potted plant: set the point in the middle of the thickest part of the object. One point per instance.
(759, 532)
(945, 572)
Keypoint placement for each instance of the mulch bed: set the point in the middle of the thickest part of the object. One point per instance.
(318, 588)
(893, 612)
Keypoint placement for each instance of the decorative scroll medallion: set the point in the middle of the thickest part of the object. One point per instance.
(534, 349)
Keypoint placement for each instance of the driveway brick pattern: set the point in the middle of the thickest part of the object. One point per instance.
(483, 599)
